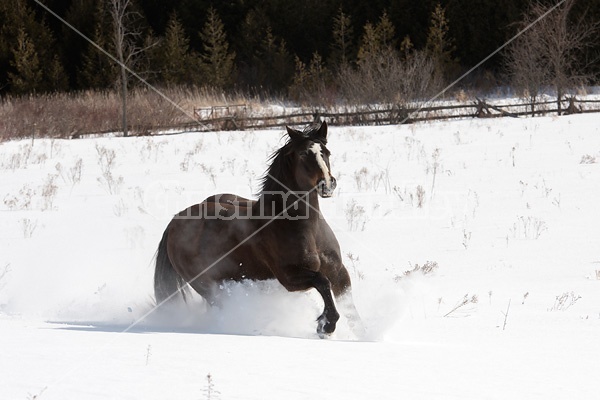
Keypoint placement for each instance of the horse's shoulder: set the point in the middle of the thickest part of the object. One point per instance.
(325, 233)
(327, 244)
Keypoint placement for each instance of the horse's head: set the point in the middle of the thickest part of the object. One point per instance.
(311, 160)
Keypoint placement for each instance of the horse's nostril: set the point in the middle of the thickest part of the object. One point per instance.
(326, 186)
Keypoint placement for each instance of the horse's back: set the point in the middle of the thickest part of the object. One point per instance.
(215, 238)
(220, 219)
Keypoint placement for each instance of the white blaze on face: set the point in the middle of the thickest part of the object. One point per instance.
(316, 149)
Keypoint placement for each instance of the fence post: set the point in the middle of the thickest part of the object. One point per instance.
(572, 108)
(482, 109)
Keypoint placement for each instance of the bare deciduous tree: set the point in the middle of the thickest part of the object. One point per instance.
(550, 52)
(526, 66)
(383, 75)
(565, 40)
(390, 79)
(128, 44)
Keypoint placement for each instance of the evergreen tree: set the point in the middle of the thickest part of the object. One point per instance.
(253, 26)
(342, 39)
(377, 40)
(175, 62)
(406, 47)
(28, 51)
(217, 60)
(370, 45)
(386, 32)
(266, 64)
(56, 76)
(440, 46)
(275, 62)
(27, 76)
(254, 55)
(310, 82)
(82, 14)
(97, 70)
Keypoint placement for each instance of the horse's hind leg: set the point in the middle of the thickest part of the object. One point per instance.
(208, 291)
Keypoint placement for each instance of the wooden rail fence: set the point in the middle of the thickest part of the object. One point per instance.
(241, 116)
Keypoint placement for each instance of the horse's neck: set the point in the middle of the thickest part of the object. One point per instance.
(296, 206)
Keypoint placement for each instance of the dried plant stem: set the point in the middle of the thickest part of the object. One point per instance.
(466, 300)
(506, 315)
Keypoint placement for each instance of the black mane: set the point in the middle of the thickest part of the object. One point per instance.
(279, 169)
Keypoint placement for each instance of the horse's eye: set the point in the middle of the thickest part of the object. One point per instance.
(303, 153)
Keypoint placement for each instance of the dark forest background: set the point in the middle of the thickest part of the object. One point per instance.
(265, 47)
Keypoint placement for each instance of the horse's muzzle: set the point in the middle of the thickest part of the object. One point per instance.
(323, 189)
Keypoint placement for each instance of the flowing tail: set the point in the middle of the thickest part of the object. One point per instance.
(168, 283)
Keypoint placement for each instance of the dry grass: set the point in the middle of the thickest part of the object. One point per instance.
(67, 115)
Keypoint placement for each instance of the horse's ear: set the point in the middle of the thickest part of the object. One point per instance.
(321, 134)
(294, 134)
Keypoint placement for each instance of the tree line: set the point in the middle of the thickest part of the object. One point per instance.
(384, 50)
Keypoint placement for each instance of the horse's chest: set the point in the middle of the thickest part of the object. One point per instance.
(300, 250)
(317, 260)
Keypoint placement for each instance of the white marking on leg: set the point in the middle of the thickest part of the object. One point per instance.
(316, 149)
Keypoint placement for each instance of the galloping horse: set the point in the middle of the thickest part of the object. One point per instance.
(282, 235)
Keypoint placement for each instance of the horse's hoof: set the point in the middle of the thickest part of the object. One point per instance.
(325, 327)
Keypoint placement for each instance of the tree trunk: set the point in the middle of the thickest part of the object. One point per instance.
(119, 14)
(124, 100)
(559, 94)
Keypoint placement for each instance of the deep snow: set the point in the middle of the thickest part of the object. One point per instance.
(509, 214)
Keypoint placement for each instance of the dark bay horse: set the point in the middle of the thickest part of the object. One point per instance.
(282, 235)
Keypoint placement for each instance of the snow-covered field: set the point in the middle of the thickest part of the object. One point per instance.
(498, 219)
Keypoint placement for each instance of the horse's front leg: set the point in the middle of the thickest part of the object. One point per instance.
(328, 319)
(304, 279)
